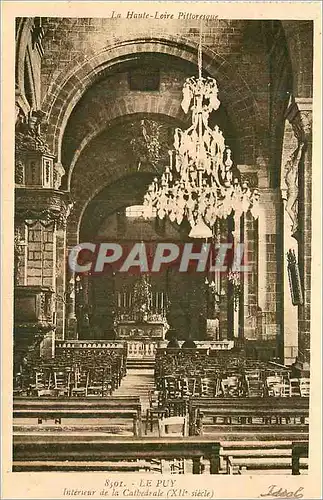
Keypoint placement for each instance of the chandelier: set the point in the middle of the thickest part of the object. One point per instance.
(200, 183)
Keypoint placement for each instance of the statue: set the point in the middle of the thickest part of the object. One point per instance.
(291, 180)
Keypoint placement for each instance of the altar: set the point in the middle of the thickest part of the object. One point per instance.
(132, 330)
(142, 338)
(141, 318)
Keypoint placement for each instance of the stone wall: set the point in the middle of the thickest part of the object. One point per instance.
(82, 86)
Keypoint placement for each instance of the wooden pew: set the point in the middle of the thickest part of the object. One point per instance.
(300, 450)
(290, 402)
(245, 415)
(225, 433)
(131, 401)
(236, 411)
(240, 457)
(91, 408)
(70, 453)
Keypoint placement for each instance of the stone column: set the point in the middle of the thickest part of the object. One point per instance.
(290, 146)
(249, 236)
(71, 320)
(250, 277)
(298, 176)
(223, 237)
(305, 231)
(60, 280)
(272, 316)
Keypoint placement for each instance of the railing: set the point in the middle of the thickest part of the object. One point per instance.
(89, 344)
(209, 345)
(141, 349)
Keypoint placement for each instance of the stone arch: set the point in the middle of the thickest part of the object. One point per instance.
(75, 219)
(129, 192)
(163, 106)
(24, 27)
(67, 89)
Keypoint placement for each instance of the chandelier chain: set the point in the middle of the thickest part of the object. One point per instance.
(201, 182)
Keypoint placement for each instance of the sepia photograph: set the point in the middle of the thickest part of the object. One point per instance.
(162, 240)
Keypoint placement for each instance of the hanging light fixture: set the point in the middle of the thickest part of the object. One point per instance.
(200, 183)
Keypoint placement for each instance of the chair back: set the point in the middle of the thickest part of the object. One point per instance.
(304, 387)
(178, 424)
(294, 387)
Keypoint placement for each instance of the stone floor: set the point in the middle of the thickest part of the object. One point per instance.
(137, 382)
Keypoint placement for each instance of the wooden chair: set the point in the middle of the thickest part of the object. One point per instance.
(62, 382)
(188, 387)
(164, 425)
(80, 384)
(177, 466)
(233, 386)
(285, 389)
(252, 375)
(18, 384)
(294, 387)
(95, 385)
(171, 386)
(207, 387)
(41, 383)
(304, 387)
(255, 388)
(274, 384)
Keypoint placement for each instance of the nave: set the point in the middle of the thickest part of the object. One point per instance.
(243, 416)
(119, 143)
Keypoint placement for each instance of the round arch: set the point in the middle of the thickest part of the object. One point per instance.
(68, 89)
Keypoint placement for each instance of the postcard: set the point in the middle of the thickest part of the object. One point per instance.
(161, 250)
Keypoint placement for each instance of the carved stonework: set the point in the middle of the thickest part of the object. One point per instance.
(45, 206)
(19, 172)
(33, 308)
(306, 120)
(291, 172)
(33, 160)
(59, 172)
(299, 114)
(28, 137)
(19, 254)
(149, 141)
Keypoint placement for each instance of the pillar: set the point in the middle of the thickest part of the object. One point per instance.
(71, 320)
(298, 177)
(271, 315)
(290, 145)
(305, 231)
(60, 280)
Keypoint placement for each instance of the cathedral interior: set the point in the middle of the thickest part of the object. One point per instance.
(97, 104)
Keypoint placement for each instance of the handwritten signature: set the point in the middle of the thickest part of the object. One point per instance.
(278, 492)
